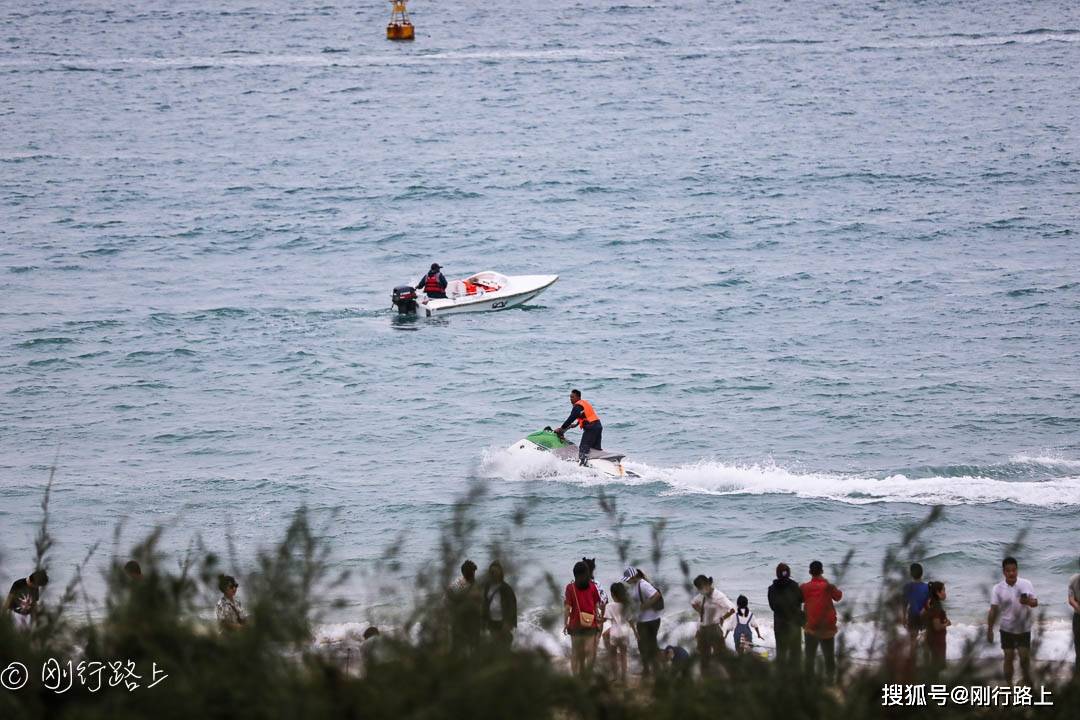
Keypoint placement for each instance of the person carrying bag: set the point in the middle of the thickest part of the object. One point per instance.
(582, 619)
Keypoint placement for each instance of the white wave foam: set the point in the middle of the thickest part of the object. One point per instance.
(716, 478)
(864, 644)
(504, 465)
(1045, 459)
(721, 479)
(860, 638)
(319, 60)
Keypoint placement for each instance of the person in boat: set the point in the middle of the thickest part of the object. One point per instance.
(434, 283)
(586, 418)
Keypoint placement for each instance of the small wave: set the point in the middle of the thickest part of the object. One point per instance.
(30, 157)
(323, 59)
(100, 252)
(44, 342)
(1046, 460)
(1027, 37)
(51, 362)
(420, 192)
(629, 9)
(146, 355)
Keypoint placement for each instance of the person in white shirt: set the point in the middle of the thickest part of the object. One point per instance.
(649, 602)
(713, 608)
(1012, 600)
(617, 635)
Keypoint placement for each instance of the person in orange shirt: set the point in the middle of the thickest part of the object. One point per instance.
(820, 630)
(592, 431)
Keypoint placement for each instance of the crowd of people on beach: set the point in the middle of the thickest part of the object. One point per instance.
(805, 621)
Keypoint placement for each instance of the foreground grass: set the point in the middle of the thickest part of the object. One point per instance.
(271, 669)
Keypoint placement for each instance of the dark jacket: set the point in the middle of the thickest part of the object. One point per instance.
(509, 604)
(785, 599)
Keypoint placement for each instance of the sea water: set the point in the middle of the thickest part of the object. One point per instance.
(818, 274)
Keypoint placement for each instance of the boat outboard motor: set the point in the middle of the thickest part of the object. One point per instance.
(404, 298)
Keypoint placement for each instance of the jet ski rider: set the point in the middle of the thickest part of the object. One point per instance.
(589, 422)
(434, 284)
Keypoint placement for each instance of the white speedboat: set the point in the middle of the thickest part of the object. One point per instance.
(481, 292)
(601, 461)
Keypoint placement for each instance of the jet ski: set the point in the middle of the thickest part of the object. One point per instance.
(487, 290)
(602, 461)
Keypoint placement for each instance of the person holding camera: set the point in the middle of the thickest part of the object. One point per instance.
(1012, 600)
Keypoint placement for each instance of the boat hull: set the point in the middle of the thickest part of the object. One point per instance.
(522, 289)
(569, 453)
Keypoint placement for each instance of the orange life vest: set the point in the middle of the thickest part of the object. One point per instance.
(431, 285)
(589, 416)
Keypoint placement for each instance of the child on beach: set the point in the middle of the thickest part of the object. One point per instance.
(617, 635)
(744, 623)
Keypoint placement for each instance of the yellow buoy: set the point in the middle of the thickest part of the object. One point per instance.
(400, 28)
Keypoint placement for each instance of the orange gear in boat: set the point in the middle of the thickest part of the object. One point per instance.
(470, 288)
(589, 415)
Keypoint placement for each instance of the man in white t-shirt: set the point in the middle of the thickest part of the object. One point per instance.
(1013, 600)
(1074, 604)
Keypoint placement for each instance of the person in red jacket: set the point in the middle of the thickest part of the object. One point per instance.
(583, 617)
(820, 629)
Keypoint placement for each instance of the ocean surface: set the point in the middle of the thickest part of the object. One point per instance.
(819, 272)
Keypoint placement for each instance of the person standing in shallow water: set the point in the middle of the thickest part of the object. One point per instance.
(1074, 603)
(500, 607)
(582, 619)
(230, 613)
(745, 627)
(1012, 600)
(464, 604)
(916, 595)
(820, 630)
(617, 635)
(713, 608)
(591, 562)
(649, 602)
(936, 623)
(785, 599)
(23, 597)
